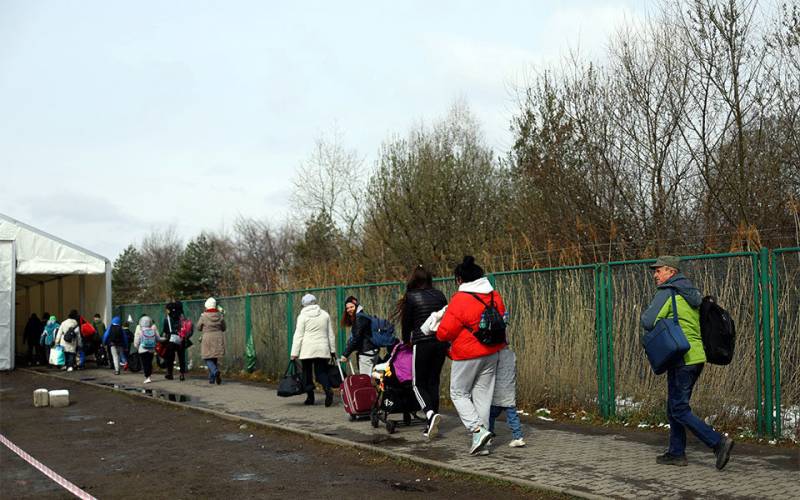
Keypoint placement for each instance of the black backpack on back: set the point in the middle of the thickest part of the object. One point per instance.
(718, 331)
(492, 327)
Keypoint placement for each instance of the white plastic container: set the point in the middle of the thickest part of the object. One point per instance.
(41, 398)
(59, 398)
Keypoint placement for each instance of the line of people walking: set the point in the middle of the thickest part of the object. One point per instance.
(470, 329)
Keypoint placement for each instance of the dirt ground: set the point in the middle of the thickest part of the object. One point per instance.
(118, 446)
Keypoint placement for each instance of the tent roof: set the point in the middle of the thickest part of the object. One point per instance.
(40, 253)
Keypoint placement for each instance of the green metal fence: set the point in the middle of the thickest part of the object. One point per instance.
(576, 333)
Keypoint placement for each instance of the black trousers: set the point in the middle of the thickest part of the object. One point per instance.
(34, 352)
(428, 361)
(320, 368)
(169, 359)
(147, 363)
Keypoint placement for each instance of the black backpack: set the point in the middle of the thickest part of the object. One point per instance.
(492, 327)
(718, 331)
(70, 335)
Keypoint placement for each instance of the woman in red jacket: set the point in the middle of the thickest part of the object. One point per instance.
(472, 373)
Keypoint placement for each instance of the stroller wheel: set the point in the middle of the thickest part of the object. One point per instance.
(352, 418)
(373, 418)
(407, 418)
(391, 426)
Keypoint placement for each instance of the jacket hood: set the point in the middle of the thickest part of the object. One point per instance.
(480, 285)
(313, 311)
(213, 315)
(684, 288)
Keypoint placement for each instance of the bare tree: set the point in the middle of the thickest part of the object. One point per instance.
(160, 251)
(262, 254)
(331, 181)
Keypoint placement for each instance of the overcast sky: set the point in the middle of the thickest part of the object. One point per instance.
(117, 118)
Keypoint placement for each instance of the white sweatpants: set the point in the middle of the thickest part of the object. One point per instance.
(115, 352)
(472, 388)
(366, 362)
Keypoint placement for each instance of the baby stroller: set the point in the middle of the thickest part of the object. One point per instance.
(395, 390)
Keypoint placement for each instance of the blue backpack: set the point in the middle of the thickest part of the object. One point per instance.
(382, 331)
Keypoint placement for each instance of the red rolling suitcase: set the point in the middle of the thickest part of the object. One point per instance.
(358, 394)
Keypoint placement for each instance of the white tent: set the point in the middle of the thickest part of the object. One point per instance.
(40, 272)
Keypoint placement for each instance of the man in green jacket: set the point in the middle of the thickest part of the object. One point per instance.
(681, 378)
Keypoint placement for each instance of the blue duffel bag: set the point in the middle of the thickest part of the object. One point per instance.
(666, 343)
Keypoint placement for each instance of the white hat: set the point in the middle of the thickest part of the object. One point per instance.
(308, 299)
(211, 303)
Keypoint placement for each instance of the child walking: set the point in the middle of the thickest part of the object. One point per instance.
(505, 396)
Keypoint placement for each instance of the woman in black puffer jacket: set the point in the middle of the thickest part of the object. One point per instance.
(413, 309)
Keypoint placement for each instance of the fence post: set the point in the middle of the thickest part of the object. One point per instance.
(600, 312)
(340, 337)
(491, 279)
(776, 345)
(611, 384)
(289, 322)
(757, 354)
(249, 346)
(765, 329)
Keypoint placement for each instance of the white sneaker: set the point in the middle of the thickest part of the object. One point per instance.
(517, 443)
(483, 453)
(147, 380)
(69, 369)
(479, 439)
(433, 426)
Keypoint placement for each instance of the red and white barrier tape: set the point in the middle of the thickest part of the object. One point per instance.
(47, 471)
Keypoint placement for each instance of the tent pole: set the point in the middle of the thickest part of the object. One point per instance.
(82, 296)
(61, 314)
(107, 312)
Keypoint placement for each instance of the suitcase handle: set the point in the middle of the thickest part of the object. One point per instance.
(352, 371)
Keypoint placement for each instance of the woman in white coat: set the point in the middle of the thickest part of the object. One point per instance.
(314, 344)
(69, 338)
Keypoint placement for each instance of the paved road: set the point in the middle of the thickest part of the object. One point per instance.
(595, 461)
(111, 445)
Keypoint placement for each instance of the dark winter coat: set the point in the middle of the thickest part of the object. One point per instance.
(33, 330)
(116, 337)
(360, 336)
(418, 306)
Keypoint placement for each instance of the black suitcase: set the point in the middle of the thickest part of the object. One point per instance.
(134, 362)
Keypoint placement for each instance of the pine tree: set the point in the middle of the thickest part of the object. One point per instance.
(127, 277)
(320, 242)
(199, 272)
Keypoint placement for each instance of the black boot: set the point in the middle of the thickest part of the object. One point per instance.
(309, 399)
(328, 398)
(723, 452)
(667, 459)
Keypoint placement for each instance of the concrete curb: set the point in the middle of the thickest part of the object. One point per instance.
(334, 440)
